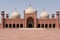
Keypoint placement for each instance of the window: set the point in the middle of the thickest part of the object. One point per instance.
(21, 25)
(38, 26)
(17, 25)
(13, 25)
(42, 26)
(53, 25)
(46, 25)
(9, 25)
(50, 25)
(6, 26)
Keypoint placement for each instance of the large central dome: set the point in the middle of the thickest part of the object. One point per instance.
(15, 14)
(30, 10)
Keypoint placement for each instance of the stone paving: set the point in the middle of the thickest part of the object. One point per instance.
(29, 34)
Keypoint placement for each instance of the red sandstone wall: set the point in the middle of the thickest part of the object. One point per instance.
(14, 21)
(47, 21)
(59, 25)
(0, 25)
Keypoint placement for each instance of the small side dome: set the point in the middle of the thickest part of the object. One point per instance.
(44, 15)
(15, 14)
(30, 10)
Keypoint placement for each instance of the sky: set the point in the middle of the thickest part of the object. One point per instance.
(10, 5)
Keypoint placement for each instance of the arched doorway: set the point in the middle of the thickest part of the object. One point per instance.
(30, 22)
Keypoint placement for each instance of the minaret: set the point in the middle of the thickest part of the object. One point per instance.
(57, 18)
(57, 15)
(52, 16)
(7, 16)
(3, 19)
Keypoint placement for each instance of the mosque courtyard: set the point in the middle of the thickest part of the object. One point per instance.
(29, 34)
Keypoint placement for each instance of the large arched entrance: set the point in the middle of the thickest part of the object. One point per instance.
(30, 22)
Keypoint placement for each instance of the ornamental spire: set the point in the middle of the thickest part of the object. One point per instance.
(44, 9)
(29, 4)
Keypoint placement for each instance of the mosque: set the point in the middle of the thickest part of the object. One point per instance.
(30, 19)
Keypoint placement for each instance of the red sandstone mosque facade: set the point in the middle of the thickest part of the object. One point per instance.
(30, 20)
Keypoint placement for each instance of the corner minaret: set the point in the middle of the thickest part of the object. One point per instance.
(57, 15)
(57, 18)
(3, 19)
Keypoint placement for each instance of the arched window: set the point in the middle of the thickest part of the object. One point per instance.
(10, 25)
(53, 25)
(6, 25)
(50, 25)
(46, 25)
(17, 25)
(13, 25)
(21, 25)
(38, 26)
(42, 26)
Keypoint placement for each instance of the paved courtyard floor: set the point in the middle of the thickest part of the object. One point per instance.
(29, 34)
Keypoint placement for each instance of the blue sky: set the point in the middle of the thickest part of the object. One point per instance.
(9, 5)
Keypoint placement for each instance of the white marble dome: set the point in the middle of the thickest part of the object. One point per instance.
(30, 10)
(15, 14)
(44, 15)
